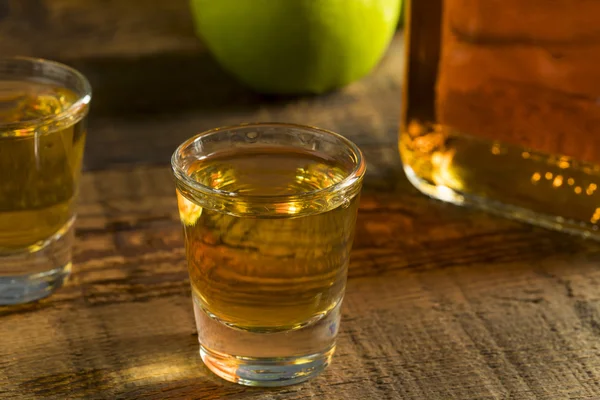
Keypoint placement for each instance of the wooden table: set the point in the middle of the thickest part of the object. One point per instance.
(442, 302)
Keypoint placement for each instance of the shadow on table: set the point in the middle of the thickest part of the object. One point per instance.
(143, 107)
(166, 84)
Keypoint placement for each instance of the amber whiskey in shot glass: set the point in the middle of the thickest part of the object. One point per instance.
(268, 212)
(43, 107)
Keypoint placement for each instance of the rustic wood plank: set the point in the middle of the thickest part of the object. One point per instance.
(442, 302)
(66, 29)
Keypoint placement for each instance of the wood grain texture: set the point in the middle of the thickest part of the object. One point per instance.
(63, 29)
(442, 302)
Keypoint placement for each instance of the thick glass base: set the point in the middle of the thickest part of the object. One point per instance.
(551, 191)
(266, 372)
(266, 359)
(446, 194)
(35, 272)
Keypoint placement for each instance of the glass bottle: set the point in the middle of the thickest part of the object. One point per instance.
(502, 107)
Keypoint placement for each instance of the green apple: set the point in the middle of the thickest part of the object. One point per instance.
(296, 46)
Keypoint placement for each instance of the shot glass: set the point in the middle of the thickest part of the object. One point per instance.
(43, 105)
(268, 212)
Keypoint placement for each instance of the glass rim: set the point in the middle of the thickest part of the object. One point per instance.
(83, 100)
(349, 182)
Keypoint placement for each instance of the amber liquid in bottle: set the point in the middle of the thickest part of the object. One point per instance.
(502, 108)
